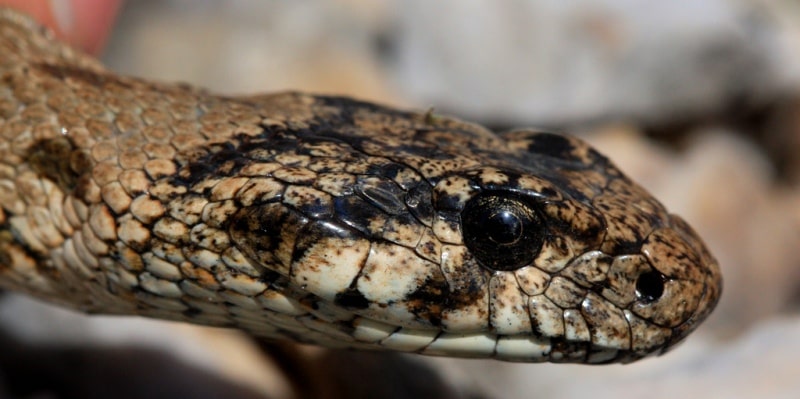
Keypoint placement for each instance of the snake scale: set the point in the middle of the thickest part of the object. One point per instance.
(328, 220)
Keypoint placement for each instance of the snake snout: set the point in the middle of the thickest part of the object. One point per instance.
(679, 289)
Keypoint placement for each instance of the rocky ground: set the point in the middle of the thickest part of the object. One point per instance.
(697, 100)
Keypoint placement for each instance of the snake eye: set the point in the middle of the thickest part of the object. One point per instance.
(502, 230)
(650, 286)
(504, 227)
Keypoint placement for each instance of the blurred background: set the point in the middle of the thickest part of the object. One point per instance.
(697, 100)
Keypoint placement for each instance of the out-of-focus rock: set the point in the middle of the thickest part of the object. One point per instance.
(781, 137)
(228, 353)
(246, 46)
(555, 62)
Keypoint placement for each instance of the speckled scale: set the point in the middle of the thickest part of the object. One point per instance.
(326, 219)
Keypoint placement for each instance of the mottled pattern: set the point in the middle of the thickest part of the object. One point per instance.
(326, 220)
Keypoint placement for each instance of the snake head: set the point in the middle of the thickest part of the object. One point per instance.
(329, 220)
(438, 237)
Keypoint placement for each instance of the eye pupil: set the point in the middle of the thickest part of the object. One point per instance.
(504, 228)
(650, 286)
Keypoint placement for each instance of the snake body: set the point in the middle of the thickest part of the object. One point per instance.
(328, 220)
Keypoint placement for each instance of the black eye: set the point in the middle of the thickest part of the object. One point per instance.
(650, 286)
(502, 230)
(504, 227)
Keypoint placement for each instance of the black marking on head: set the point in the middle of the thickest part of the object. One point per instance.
(352, 298)
(430, 299)
(626, 247)
(314, 231)
(218, 159)
(382, 194)
(240, 150)
(357, 213)
(259, 231)
(418, 202)
(388, 170)
(565, 149)
(552, 145)
(467, 286)
(349, 106)
(444, 201)
(273, 278)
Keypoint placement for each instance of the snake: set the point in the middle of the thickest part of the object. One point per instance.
(329, 220)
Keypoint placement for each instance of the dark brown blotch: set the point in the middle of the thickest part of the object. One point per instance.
(60, 160)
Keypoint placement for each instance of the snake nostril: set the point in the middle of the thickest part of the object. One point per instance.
(650, 286)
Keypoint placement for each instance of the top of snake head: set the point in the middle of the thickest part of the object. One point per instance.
(329, 220)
